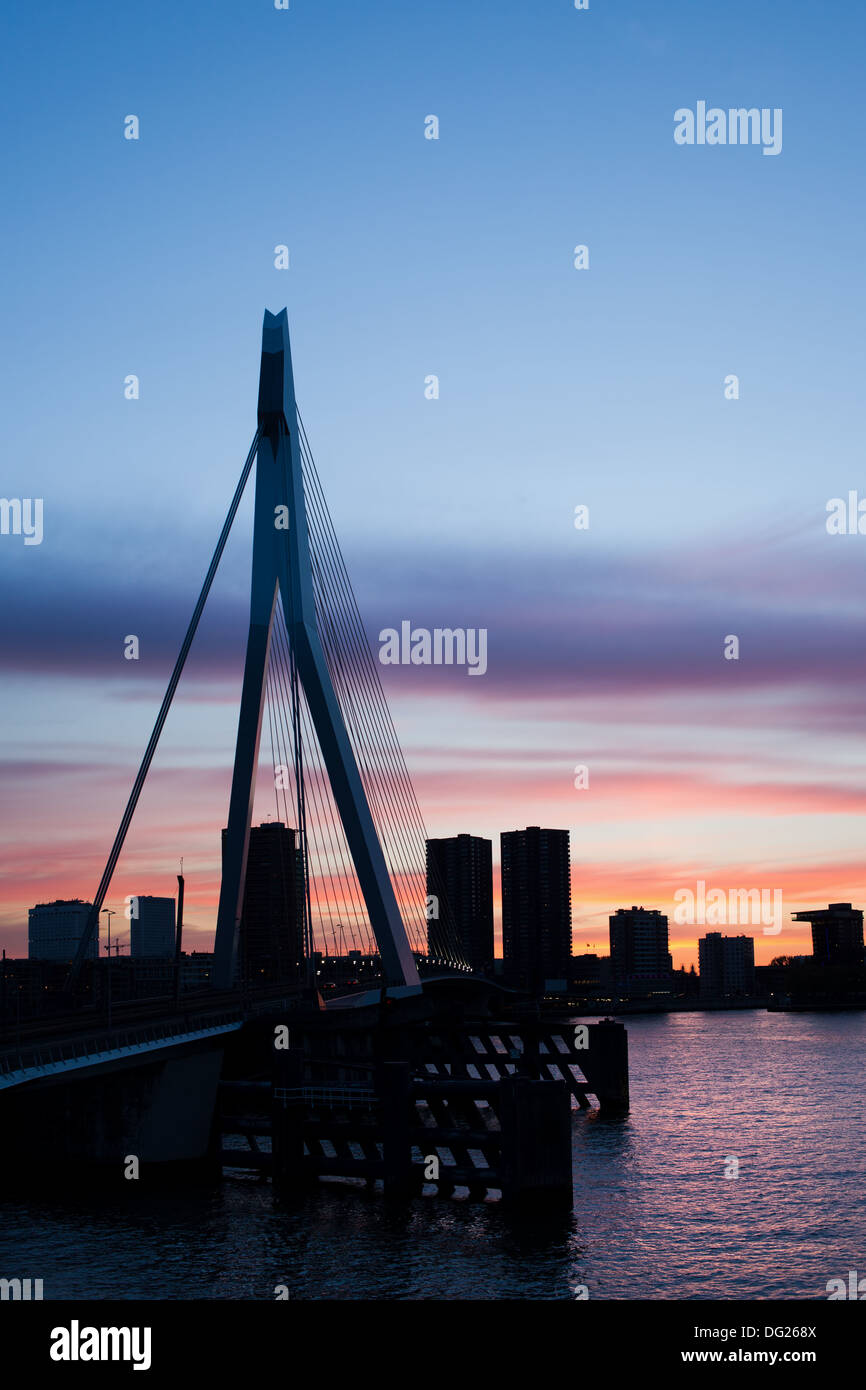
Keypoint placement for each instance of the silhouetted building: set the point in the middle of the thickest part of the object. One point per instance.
(28, 987)
(585, 972)
(460, 895)
(590, 974)
(151, 927)
(727, 965)
(837, 934)
(536, 908)
(271, 932)
(55, 929)
(775, 978)
(639, 947)
(147, 977)
(685, 984)
(196, 969)
(300, 895)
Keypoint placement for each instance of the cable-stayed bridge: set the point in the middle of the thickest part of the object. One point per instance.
(147, 1084)
(311, 680)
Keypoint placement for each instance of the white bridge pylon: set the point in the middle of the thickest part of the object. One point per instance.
(282, 573)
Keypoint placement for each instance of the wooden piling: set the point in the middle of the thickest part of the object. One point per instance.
(536, 1141)
(606, 1066)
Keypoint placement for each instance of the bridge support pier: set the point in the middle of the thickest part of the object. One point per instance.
(536, 1141)
(606, 1066)
(88, 1124)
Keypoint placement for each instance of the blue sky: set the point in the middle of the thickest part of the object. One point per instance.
(558, 387)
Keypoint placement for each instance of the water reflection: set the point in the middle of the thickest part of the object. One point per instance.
(654, 1216)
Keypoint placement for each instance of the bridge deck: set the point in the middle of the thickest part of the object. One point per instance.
(18, 1066)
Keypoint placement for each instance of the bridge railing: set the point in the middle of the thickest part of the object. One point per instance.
(345, 1094)
(115, 1040)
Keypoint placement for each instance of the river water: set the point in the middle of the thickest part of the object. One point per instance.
(654, 1214)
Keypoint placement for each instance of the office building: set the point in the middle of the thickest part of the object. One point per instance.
(152, 927)
(837, 934)
(55, 929)
(639, 953)
(460, 894)
(590, 973)
(536, 909)
(727, 966)
(271, 929)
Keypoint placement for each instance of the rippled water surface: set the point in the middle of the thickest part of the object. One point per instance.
(654, 1215)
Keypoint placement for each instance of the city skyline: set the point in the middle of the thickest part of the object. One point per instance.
(433, 714)
(589, 930)
(708, 516)
(710, 914)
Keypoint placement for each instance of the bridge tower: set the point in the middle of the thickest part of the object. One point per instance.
(282, 573)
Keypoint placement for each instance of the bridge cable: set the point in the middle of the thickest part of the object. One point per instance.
(368, 680)
(394, 756)
(91, 926)
(327, 854)
(391, 749)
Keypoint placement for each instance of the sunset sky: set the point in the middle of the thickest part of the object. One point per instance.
(558, 387)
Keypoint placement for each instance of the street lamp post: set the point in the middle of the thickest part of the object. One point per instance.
(109, 912)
